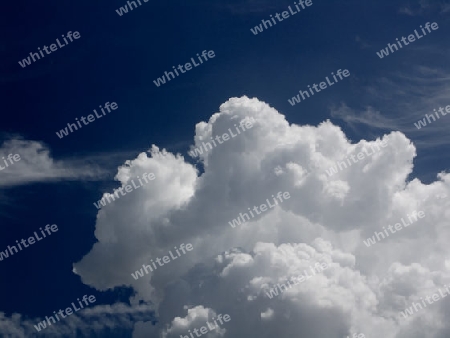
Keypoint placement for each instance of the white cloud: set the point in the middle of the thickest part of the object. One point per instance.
(325, 220)
(88, 322)
(37, 165)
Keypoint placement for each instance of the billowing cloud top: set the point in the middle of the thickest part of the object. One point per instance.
(231, 270)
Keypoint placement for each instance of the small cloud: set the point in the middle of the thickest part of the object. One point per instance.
(406, 11)
(423, 7)
(35, 164)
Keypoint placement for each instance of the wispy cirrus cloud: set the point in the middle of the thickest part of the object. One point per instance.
(87, 323)
(425, 6)
(402, 99)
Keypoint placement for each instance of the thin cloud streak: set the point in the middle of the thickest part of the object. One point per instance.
(402, 100)
(36, 164)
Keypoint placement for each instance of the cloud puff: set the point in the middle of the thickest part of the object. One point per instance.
(88, 322)
(325, 220)
(37, 165)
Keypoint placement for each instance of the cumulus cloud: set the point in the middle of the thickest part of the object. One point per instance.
(230, 270)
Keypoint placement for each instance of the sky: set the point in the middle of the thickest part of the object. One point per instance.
(324, 218)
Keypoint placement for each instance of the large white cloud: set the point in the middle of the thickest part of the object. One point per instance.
(326, 219)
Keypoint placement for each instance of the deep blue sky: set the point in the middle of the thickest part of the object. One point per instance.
(117, 59)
